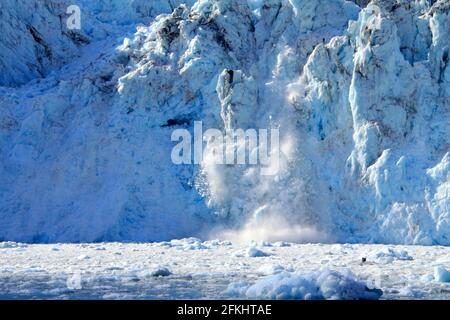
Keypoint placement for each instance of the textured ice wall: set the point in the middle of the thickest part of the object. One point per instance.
(378, 100)
(34, 39)
(360, 93)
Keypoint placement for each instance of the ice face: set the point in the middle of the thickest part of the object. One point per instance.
(360, 93)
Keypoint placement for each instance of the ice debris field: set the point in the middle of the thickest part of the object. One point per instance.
(192, 269)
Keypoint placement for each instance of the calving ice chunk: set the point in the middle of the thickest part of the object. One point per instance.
(232, 147)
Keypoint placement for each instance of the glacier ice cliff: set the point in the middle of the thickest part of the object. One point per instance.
(360, 92)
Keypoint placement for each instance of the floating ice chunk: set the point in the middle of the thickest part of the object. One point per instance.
(33, 269)
(255, 252)
(410, 292)
(155, 271)
(216, 243)
(117, 296)
(389, 255)
(427, 278)
(317, 285)
(251, 252)
(281, 244)
(441, 274)
(159, 271)
(236, 289)
(269, 269)
(188, 244)
(11, 244)
(74, 281)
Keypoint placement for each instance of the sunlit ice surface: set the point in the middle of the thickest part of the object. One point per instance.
(192, 269)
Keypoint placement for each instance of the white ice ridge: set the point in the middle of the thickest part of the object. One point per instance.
(359, 91)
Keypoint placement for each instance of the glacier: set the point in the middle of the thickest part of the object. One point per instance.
(360, 91)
